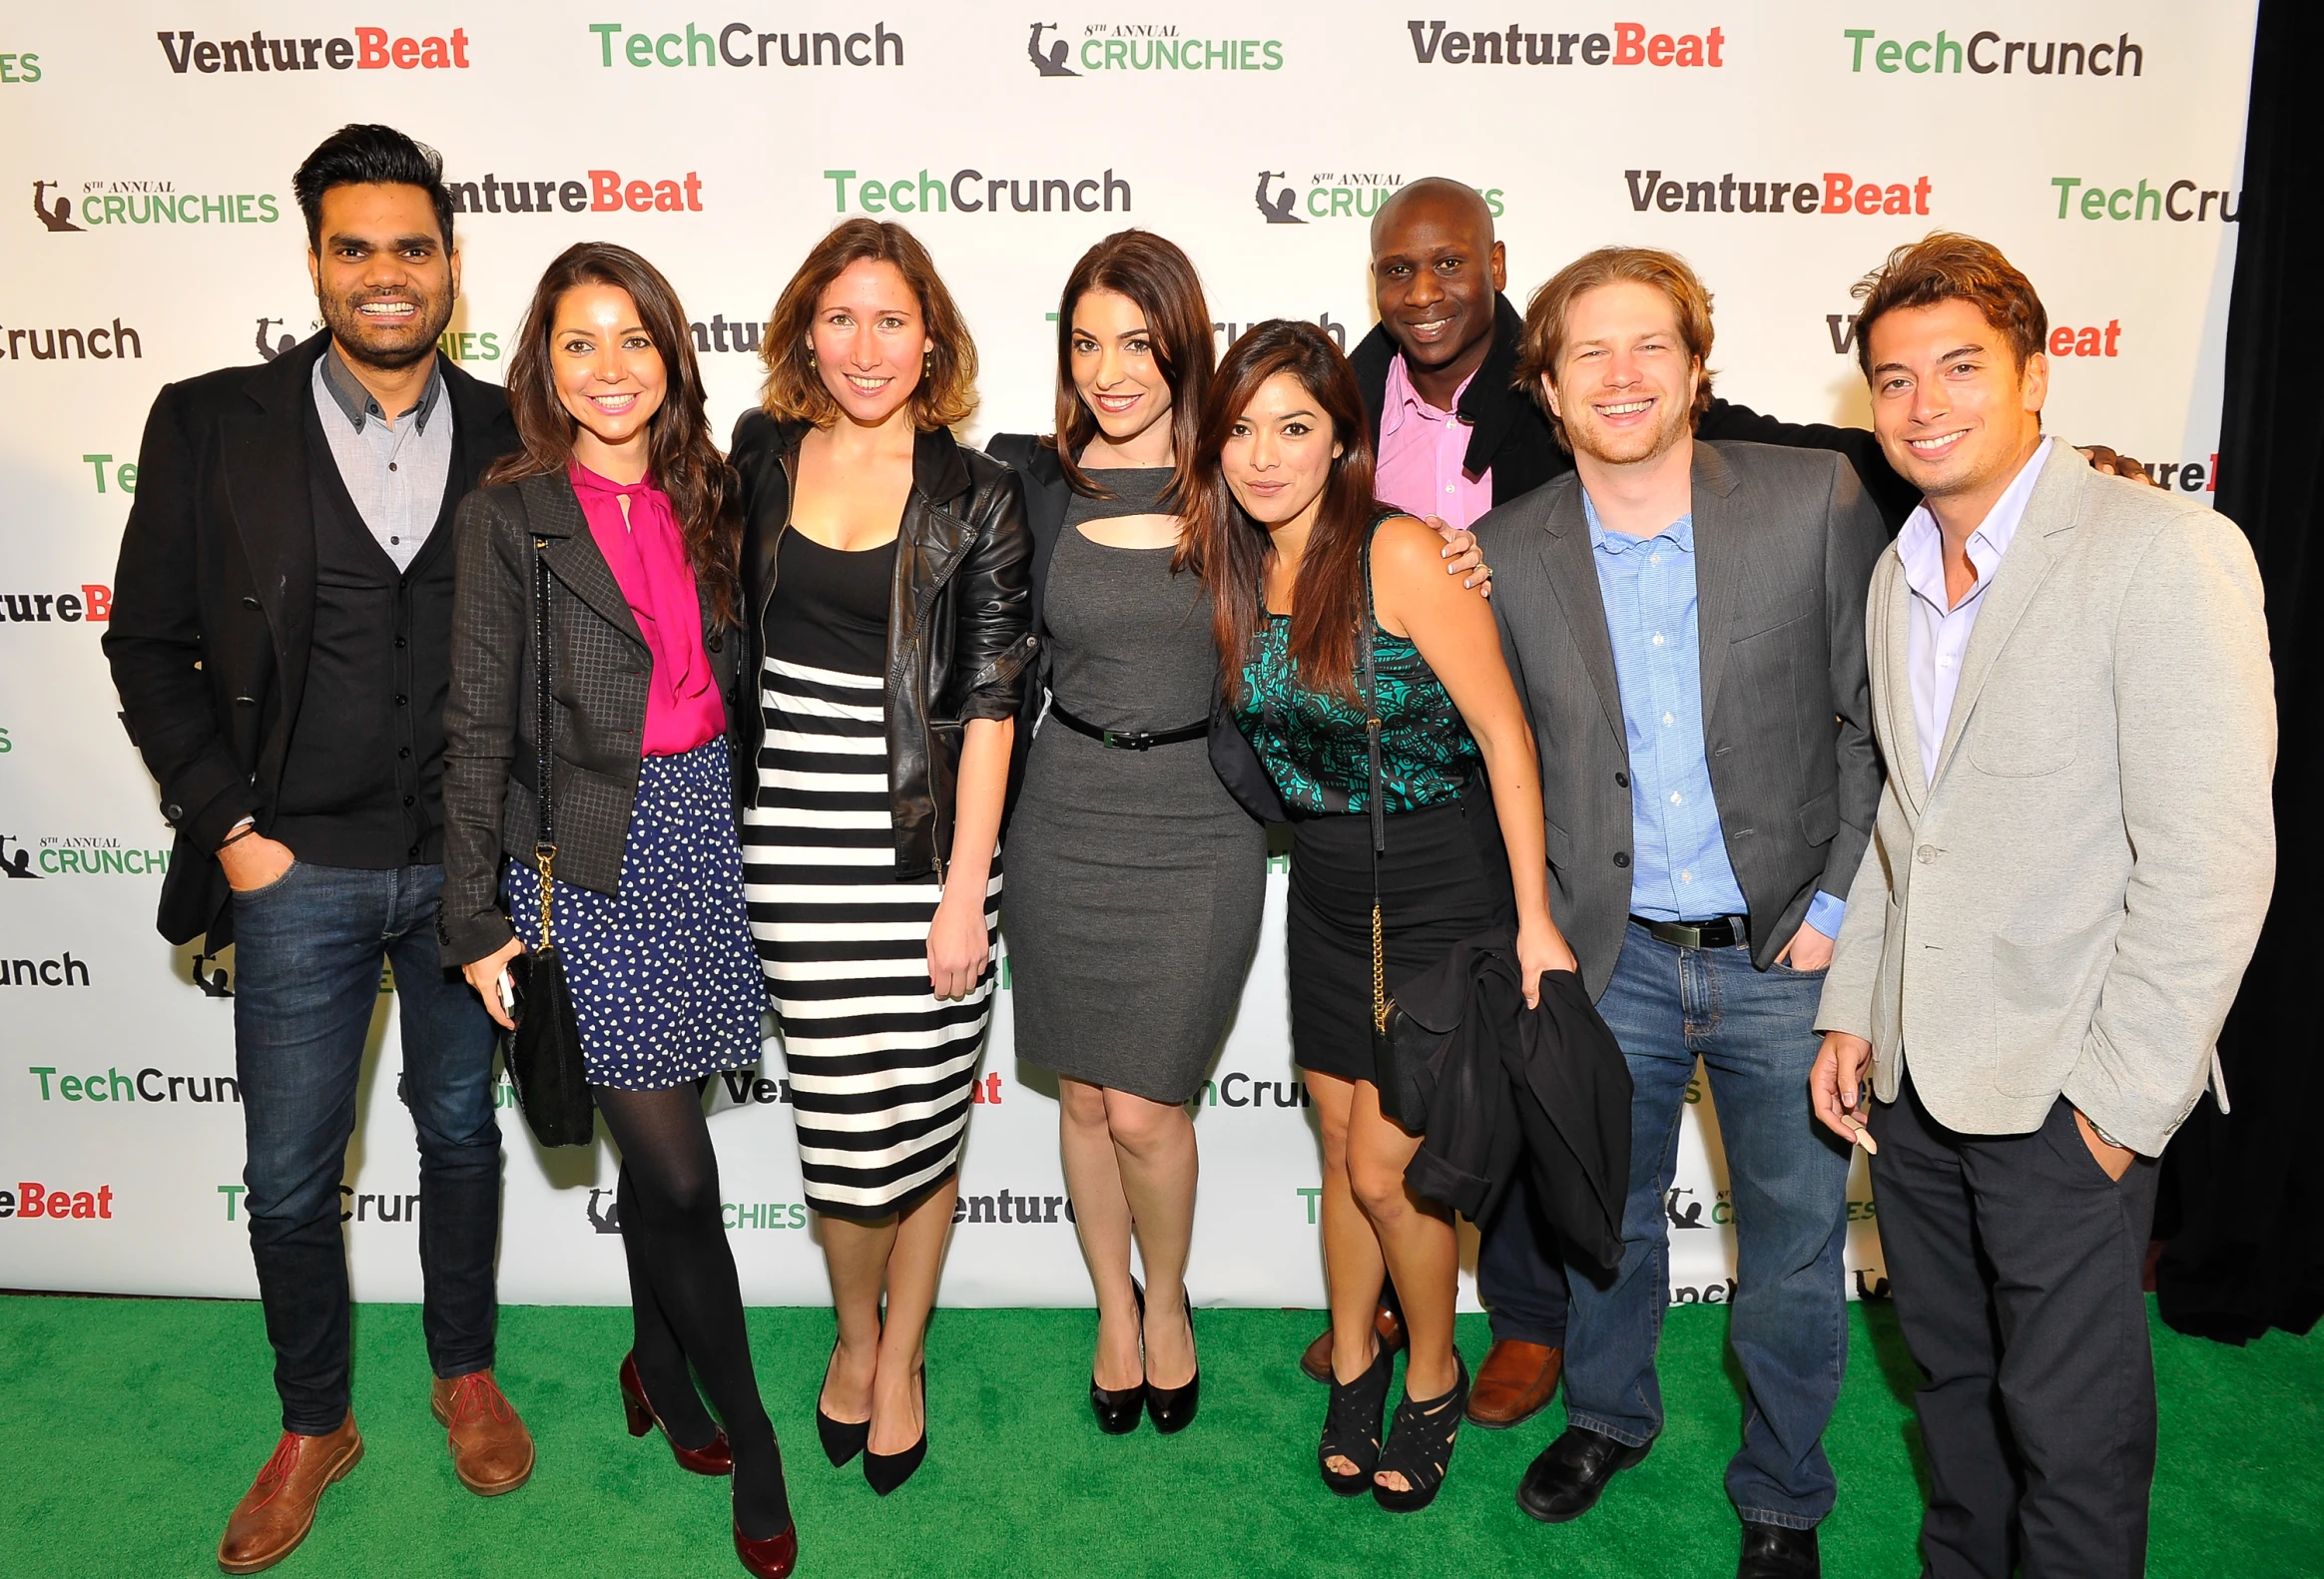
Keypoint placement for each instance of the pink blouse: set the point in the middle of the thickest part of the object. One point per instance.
(648, 559)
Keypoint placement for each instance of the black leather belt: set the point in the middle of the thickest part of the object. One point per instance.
(1722, 932)
(1128, 740)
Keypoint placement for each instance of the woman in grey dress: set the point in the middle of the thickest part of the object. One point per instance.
(1135, 880)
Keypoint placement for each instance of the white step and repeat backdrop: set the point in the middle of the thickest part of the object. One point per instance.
(1783, 149)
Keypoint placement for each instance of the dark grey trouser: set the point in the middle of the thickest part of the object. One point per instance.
(2015, 1265)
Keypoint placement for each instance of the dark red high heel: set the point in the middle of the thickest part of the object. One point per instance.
(715, 1457)
(772, 1558)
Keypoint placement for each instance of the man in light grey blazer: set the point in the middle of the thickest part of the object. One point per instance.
(1685, 620)
(2070, 863)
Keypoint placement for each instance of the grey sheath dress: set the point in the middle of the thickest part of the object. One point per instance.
(1135, 883)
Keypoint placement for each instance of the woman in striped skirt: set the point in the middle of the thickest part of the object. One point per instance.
(889, 623)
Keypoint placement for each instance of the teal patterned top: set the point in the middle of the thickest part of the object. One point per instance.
(1313, 746)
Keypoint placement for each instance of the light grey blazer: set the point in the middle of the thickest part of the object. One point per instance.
(1785, 541)
(2069, 904)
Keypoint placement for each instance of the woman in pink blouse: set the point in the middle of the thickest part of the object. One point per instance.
(621, 496)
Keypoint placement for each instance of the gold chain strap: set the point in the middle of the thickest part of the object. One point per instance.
(1378, 958)
(545, 856)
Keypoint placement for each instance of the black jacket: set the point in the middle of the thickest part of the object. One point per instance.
(1047, 494)
(213, 600)
(1509, 434)
(601, 670)
(1492, 1086)
(959, 637)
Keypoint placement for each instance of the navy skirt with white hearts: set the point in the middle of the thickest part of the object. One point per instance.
(664, 976)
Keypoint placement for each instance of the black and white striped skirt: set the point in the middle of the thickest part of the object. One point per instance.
(881, 1070)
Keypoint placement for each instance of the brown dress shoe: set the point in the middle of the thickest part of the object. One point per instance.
(274, 1515)
(1515, 1382)
(492, 1452)
(1317, 1362)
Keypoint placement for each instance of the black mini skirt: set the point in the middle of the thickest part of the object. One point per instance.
(1444, 877)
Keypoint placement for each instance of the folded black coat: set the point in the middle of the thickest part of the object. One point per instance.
(1492, 1086)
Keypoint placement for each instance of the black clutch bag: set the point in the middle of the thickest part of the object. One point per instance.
(543, 1053)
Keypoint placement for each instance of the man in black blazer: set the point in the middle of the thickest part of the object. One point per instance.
(281, 640)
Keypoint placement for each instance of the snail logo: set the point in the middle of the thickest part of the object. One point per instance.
(60, 218)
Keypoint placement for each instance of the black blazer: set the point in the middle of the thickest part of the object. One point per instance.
(957, 643)
(601, 671)
(213, 600)
(1509, 433)
(1047, 493)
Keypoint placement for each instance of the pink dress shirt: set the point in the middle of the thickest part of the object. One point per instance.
(648, 559)
(1420, 455)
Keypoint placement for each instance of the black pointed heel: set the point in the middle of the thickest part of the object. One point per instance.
(884, 1473)
(1172, 1409)
(842, 1439)
(1117, 1409)
(1352, 1425)
(1419, 1444)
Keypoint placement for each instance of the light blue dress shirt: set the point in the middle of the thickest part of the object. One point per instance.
(1679, 870)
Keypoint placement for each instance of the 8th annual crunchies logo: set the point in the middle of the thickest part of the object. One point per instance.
(113, 204)
(1073, 49)
(1336, 195)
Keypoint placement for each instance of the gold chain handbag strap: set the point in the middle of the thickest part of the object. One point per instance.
(544, 718)
(1370, 638)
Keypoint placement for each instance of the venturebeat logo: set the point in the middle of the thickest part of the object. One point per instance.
(1630, 45)
(604, 192)
(29, 1200)
(2065, 340)
(1838, 192)
(93, 603)
(372, 49)
(1145, 45)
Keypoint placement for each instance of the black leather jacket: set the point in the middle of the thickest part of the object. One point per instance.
(959, 624)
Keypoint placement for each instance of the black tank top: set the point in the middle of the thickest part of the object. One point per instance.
(830, 607)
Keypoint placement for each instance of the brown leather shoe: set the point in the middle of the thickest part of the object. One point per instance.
(1317, 1362)
(1515, 1382)
(274, 1515)
(492, 1452)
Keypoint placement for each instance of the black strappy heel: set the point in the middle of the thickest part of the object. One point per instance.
(1352, 1425)
(1117, 1409)
(1419, 1444)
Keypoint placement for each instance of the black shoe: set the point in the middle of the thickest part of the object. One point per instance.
(1420, 1442)
(1117, 1409)
(842, 1439)
(1571, 1475)
(1771, 1551)
(1352, 1425)
(1172, 1409)
(884, 1473)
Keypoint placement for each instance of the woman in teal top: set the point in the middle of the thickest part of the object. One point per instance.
(1302, 565)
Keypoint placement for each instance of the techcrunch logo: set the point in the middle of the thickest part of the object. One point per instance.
(733, 46)
(1837, 193)
(1630, 45)
(973, 191)
(2181, 201)
(1987, 52)
(372, 49)
(147, 1085)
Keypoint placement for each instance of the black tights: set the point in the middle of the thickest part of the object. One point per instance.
(685, 1298)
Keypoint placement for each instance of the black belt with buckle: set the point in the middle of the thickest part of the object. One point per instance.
(1129, 739)
(1720, 931)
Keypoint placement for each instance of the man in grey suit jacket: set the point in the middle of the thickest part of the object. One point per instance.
(1685, 620)
(2068, 874)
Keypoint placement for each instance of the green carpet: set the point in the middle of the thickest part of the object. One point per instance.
(129, 1426)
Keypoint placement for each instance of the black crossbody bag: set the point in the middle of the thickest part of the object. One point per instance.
(544, 1051)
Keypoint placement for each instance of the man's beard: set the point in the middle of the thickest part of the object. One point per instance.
(1631, 448)
(388, 348)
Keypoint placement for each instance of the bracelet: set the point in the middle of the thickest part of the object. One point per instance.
(240, 834)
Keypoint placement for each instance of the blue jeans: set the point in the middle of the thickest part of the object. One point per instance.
(1788, 1177)
(307, 948)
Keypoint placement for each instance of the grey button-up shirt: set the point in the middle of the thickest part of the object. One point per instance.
(395, 468)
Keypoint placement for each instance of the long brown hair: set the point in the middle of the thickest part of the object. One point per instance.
(681, 455)
(794, 390)
(1231, 549)
(1161, 279)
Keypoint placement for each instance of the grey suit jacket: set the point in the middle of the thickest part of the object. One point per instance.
(1785, 541)
(2067, 905)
